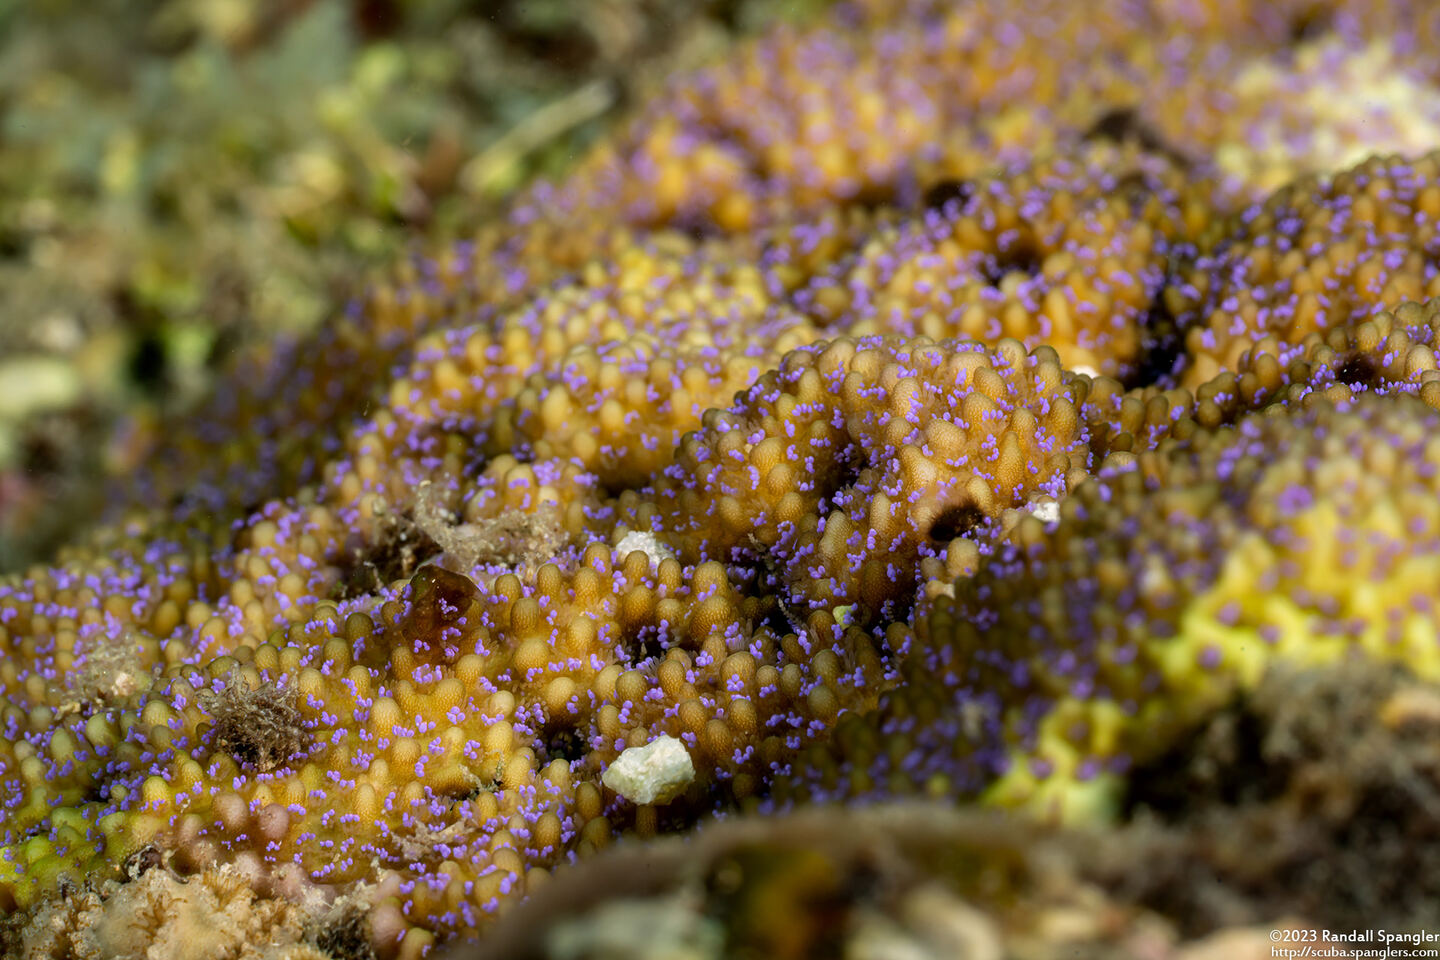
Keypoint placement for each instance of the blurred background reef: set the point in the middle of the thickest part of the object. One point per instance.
(179, 178)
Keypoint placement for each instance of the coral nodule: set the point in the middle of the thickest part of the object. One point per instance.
(917, 403)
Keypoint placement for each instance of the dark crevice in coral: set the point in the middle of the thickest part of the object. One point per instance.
(955, 521)
(947, 194)
(1217, 763)
(149, 364)
(1126, 125)
(761, 571)
(872, 196)
(648, 646)
(14, 245)
(781, 619)
(1161, 346)
(395, 554)
(563, 45)
(376, 19)
(844, 472)
(1359, 370)
(560, 740)
(612, 486)
(1117, 125)
(41, 454)
(1020, 257)
(1310, 25)
(697, 225)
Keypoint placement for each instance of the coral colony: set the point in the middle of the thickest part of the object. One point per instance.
(942, 400)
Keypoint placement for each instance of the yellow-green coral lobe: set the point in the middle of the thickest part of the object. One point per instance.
(1167, 587)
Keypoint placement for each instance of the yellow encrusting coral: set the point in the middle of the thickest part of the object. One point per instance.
(1167, 586)
(971, 445)
(1317, 254)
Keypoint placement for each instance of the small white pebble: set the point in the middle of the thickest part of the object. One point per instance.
(1046, 511)
(655, 773)
(646, 543)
